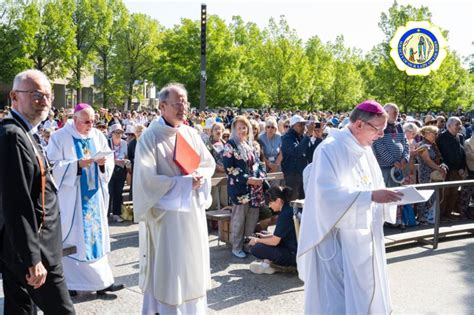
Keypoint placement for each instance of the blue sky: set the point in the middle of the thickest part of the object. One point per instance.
(356, 20)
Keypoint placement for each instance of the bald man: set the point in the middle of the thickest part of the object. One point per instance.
(30, 225)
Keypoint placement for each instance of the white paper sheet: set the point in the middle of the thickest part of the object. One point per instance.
(412, 195)
(101, 154)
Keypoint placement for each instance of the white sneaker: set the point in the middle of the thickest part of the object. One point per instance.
(260, 267)
(117, 218)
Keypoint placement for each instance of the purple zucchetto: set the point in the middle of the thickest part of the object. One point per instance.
(80, 107)
(371, 107)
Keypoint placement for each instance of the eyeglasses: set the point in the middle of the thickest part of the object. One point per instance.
(270, 127)
(179, 104)
(377, 129)
(37, 96)
(87, 122)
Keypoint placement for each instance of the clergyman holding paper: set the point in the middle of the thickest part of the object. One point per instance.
(341, 252)
(83, 201)
(169, 201)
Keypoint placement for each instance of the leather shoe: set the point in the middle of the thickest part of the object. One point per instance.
(114, 287)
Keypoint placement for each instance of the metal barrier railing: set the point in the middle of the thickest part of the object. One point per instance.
(437, 187)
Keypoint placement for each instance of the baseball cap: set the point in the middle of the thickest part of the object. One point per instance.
(296, 119)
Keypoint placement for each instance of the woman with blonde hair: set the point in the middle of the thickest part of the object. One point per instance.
(283, 126)
(245, 179)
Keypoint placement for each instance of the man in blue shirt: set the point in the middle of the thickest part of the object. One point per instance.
(294, 148)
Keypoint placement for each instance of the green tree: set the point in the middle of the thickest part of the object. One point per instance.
(114, 20)
(179, 58)
(137, 51)
(13, 39)
(88, 27)
(51, 35)
(346, 88)
(322, 67)
(285, 71)
(247, 88)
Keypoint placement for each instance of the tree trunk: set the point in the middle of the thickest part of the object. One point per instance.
(79, 87)
(105, 84)
(128, 105)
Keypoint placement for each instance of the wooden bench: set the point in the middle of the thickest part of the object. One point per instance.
(223, 223)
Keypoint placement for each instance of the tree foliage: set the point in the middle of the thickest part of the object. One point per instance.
(247, 66)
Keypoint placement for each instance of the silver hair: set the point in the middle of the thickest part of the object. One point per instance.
(25, 75)
(452, 120)
(410, 127)
(90, 110)
(390, 105)
(270, 121)
(165, 91)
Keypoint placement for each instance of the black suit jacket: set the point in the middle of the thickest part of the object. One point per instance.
(21, 204)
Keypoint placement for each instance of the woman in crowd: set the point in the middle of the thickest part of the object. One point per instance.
(429, 158)
(119, 146)
(280, 247)
(411, 131)
(245, 175)
(283, 126)
(215, 145)
(270, 142)
(226, 135)
(229, 118)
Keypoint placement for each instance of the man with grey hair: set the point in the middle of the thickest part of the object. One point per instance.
(341, 252)
(170, 202)
(392, 150)
(450, 143)
(83, 178)
(30, 223)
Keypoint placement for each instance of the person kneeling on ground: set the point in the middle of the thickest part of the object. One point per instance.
(279, 248)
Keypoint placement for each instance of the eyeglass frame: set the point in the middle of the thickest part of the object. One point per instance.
(377, 129)
(49, 97)
(185, 104)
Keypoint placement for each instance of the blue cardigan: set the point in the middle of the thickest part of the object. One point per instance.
(238, 171)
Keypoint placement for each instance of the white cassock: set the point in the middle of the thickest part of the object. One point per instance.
(341, 252)
(174, 246)
(83, 201)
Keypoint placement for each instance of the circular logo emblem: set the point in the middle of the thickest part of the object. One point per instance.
(418, 48)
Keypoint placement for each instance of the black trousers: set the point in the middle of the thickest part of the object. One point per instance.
(116, 184)
(52, 297)
(296, 183)
(279, 255)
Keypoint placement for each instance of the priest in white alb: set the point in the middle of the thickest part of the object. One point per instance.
(341, 252)
(170, 206)
(83, 200)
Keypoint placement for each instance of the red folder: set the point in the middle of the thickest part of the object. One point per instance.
(185, 156)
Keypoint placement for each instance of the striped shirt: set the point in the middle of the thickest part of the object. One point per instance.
(392, 147)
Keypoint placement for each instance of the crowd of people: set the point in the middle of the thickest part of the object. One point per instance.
(80, 159)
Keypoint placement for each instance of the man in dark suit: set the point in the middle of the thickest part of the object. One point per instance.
(31, 247)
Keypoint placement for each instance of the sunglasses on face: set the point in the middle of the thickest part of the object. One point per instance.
(287, 126)
(270, 127)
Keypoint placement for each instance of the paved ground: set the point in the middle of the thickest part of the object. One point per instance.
(422, 281)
